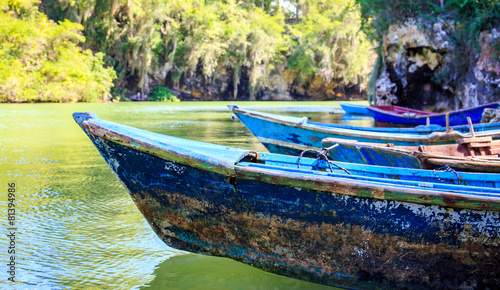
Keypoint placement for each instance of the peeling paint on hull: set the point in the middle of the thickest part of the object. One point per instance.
(316, 234)
(325, 238)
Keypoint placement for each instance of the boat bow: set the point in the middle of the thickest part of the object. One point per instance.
(188, 152)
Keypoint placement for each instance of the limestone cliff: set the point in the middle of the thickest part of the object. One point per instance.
(425, 69)
(280, 86)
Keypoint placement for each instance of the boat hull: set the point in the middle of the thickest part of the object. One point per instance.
(354, 109)
(456, 118)
(412, 157)
(313, 233)
(289, 137)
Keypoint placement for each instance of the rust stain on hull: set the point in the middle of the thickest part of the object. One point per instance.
(334, 250)
(324, 229)
(325, 252)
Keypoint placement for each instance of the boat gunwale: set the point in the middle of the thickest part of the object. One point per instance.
(390, 193)
(422, 173)
(383, 181)
(419, 129)
(426, 157)
(95, 127)
(354, 109)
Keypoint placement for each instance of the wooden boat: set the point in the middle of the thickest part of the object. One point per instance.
(469, 154)
(354, 109)
(309, 223)
(292, 135)
(400, 116)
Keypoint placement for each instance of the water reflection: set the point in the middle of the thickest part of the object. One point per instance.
(78, 226)
(204, 272)
(356, 120)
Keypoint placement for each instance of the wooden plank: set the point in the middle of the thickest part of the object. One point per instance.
(487, 158)
(471, 151)
(479, 144)
(477, 139)
(471, 128)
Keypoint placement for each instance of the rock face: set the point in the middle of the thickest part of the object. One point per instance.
(490, 116)
(485, 77)
(280, 87)
(421, 69)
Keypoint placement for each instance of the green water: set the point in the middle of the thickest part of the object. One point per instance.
(76, 224)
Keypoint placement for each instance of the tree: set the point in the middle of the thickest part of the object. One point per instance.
(41, 60)
(148, 40)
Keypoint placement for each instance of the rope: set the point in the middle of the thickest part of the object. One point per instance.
(322, 155)
(446, 168)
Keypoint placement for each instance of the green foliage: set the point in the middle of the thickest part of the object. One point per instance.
(162, 94)
(469, 18)
(475, 16)
(378, 15)
(328, 43)
(194, 37)
(41, 60)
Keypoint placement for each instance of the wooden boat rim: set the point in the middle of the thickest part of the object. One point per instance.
(401, 111)
(354, 105)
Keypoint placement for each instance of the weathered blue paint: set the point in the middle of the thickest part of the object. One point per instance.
(354, 109)
(456, 156)
(355, 153)
(418, 130)
(458, 117)
(398, 175)
(292, 135)
(311, 224)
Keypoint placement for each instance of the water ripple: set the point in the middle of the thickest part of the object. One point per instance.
(78, 227)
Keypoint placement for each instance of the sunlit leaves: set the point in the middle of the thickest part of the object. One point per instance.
(148, 40)
(41, 60)
(329, 44)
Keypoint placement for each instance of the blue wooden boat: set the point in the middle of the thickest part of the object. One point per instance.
(400, 116)
(471, 154)
(292, 135)
(354, 109)
(312, 223)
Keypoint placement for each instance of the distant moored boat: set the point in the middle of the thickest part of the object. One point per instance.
(354, 109)
(292, 135)
(400, 116)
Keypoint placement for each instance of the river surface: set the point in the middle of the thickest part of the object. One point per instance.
(75, 225)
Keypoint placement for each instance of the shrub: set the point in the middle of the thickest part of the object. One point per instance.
(162, 94)
(40, 60)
